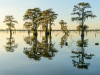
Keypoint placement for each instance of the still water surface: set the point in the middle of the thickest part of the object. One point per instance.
(60, 55)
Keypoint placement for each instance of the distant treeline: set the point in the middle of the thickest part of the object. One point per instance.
(42, 30)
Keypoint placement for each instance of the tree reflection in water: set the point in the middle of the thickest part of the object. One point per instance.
(40, 49)
(28, 40)
(10, 45)
(81, 55)
(63, 40)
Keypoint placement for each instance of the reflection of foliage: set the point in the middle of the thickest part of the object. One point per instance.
(10, 22)
(28, 40)
(38, 50)
(49, 50)
(84, 44)
(81, 55)
(63, 41)
(10, 45)
(33, 53)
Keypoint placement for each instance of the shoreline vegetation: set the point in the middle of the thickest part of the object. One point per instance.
(42, 30)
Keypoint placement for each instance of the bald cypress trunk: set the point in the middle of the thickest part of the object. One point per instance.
(82, 33)
(50, 28)
(36, 30)
(10, 33)
(46, 33)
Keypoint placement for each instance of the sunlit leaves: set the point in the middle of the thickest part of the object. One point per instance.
(27, 25)
(80, 11)
(34, 15)
(63, 25)
(84, 5)
(48, 17)
(85, 27)
(82, 14)
(10, 21)
(38, 17)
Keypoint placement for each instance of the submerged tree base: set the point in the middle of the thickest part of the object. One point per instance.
(35, 34)
(47, 33)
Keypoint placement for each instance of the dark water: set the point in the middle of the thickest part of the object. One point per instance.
(60, 54)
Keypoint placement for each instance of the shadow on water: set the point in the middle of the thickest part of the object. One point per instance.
(39, 49)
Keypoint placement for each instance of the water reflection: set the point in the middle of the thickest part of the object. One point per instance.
(28, 40)
(47, 51)
(63, 41)
(10, 44)
(80, 55)
(40, 49)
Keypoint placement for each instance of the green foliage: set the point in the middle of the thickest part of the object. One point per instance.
(48, 17)
(85, 27)
(27, 25)
(33, 15)
(64, 27)
(81, 13)
(10, 22)
(62, 23)
(82, 44)
(96, 43)
(39, 17)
